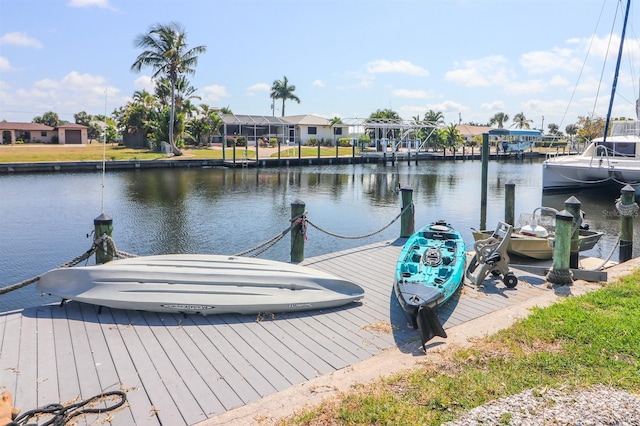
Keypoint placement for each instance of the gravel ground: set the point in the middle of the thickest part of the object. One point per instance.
(585, 407)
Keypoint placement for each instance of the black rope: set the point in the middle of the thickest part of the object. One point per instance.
(63, 414)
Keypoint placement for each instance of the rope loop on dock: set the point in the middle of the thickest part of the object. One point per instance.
(62, 414)
(626, 209)
(355, 237)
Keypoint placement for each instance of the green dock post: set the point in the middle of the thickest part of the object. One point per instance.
(509, 202)
(628, 209)
(407, 220)
(102, 225)
(560, 272)
(572, 205)
(298, 231)
(484, 177)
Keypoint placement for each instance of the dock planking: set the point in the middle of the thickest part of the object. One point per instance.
(183, 369)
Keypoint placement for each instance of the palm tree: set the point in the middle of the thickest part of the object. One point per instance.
(434, 117)
(499, 118)
(145, 98)
(521, 121)
(451, 136)
(282, 90)
(380, 124)
(166, 52)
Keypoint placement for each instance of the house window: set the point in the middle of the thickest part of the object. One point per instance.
(43, 133)
(312, 131)
(337, 131)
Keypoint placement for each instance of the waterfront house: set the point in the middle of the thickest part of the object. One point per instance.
(311, 126)
(64, 134)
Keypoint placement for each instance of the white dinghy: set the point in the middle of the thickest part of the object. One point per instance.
(201, 284)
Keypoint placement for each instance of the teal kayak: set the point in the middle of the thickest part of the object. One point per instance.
(429, 271)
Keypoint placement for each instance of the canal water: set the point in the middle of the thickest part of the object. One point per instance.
(46, 219)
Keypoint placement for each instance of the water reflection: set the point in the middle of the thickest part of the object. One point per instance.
(45, 218)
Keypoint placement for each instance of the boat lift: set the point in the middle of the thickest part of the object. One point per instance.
(492, 258)
(395, 133)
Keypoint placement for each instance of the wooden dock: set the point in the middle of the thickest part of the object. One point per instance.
(181, 370)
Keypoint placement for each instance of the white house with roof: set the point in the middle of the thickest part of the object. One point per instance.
(312, 126)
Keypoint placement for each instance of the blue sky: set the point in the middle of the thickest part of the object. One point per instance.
(466, 58)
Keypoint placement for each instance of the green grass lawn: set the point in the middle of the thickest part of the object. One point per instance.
(30, 153)
(582, 341)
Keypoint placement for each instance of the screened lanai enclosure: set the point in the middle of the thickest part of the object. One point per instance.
(247, 134)
(257, 128)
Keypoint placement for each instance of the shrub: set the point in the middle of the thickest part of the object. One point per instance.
(344, 142)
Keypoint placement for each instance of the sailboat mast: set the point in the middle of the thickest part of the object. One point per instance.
(615, 77)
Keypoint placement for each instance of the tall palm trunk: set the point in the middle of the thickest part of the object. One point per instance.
(172, 118)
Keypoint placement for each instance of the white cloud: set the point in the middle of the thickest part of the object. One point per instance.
(73, 93)
(318, 83)
(447, 108)
(409, 111)
(403, 67)
(412, 94)
(363, 80)
(483, 72)
(20, 39)
(540, 62)
(258, 87)
(91, 3)
(213, 93)
(145, 82)
(558, 81)
(5, 65)
(525, 87)
(493, 106)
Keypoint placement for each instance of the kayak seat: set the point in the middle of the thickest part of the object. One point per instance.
(444, 273)
(450, 244)
(408, 270)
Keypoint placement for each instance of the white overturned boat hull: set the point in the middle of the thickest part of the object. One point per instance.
(202, 284)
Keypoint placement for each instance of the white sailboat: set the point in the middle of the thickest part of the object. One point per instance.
(613, 159)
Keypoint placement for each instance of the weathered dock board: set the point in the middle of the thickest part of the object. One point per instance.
(181, 370)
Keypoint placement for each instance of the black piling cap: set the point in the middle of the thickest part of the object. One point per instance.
(103, 219)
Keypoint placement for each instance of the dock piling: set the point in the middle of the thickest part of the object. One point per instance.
(628, 209)
(407, 220)
(572, 205)
(509, 202)
(298, 231)
(560, 272)
(484, 177)
(103, 224)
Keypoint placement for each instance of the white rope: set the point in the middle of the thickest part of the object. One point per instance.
(626, 209)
